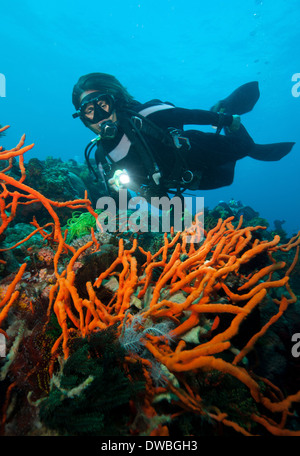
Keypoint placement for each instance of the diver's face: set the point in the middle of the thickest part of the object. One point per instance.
(89, 112)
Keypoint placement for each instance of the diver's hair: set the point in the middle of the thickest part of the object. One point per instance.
(101, 82)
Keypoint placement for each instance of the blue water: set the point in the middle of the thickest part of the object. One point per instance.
(191, 53)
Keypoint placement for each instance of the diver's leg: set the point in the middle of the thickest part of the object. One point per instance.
(216, 177)
(209, 149)
(241, 101)
(241, 135)
(270, 152)
(263, 152)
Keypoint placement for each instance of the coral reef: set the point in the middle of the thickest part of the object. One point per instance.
(106, 336)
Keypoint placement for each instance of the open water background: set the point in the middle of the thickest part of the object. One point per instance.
(191, 53)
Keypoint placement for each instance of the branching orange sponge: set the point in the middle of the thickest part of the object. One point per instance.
(186, 291)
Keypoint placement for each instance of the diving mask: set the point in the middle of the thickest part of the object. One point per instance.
(92, 109)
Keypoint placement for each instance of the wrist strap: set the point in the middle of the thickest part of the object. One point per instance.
(220, 122)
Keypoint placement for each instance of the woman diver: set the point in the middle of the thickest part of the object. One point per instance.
(144, 148)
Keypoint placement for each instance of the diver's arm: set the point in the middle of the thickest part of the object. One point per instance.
(178, 117)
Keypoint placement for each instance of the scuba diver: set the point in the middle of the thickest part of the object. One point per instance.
(143, 147)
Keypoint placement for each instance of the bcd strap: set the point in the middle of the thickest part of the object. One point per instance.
(220, 123)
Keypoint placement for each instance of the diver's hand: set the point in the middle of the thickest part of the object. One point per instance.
(119, 180)
(112, 184)
(114, 181)
(236, 123)
(156, 177)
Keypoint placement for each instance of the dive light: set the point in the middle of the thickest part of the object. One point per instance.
(121, 178)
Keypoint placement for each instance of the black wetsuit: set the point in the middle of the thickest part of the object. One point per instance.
(212, 155)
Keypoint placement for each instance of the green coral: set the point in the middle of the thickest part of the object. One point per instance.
(80, 224)
(91, 395)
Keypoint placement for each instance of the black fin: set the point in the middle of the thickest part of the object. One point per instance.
(270, 152)
(240, 101)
